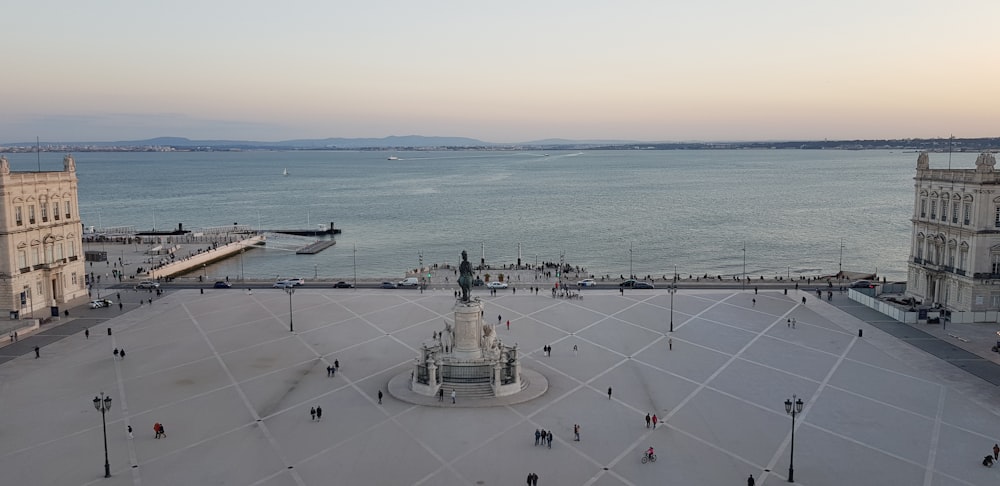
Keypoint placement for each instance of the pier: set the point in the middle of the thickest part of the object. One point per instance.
(314, 248)
(320, 230)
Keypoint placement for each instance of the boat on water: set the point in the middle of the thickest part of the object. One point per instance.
(393, 157)
(284, 172)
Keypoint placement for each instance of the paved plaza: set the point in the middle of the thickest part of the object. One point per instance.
(233, 389)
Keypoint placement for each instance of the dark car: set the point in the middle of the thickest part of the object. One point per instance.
(388, 285)
(862, 284)
(478, 282)
(342, 285)
(643, 285)
(222, 285)
(627, 284)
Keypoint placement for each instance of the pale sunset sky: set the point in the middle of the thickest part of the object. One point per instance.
(508, 71)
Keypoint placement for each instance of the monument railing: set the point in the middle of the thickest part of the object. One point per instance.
(422, 376)
(466, 373)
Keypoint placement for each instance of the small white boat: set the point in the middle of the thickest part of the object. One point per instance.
(393, 157)
(285, 172)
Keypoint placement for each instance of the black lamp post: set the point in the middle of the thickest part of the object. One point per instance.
(290, 290)
(792, 407)
(103, 405)
(672, 290)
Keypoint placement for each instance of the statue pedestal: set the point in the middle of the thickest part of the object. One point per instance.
(468, 330)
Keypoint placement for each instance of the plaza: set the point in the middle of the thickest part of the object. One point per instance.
(233, 388)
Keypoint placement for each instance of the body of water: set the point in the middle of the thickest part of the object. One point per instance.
(796, 211)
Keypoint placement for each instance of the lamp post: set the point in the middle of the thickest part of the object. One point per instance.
(355, 265)
(630, 274)
(743, 281)
(242, 273)
(290, 291)
(793, 407)
(103, 405)
(672, 290)
(204, 271)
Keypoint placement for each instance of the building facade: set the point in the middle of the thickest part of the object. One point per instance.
(955, 249)
(41, 248)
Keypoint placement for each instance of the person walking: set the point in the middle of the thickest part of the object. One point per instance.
(312, 413)
(115, 353)
(793, 323)
(529, 478)
(440, 394)
(380, 397)
(336, 366)
(655, 419)
(86, 333)
(647, 420)
(609, 393)
(538, 436)
(452, 396)
(508, 324)
(130, 436)
(996, 451)
(162, 433)
(750, 481)
(576, 432)
(319, 412)
(575, 349)
(534, 479)
(670, 344)
(38, 353)
(121, 354)
(754, 302)
(549, 439)
(156, 428)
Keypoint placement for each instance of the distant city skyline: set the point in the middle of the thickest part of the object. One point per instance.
(520, 71)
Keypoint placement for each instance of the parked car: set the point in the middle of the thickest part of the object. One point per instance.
(282, 284)
(409, 282)
(478, 282)
(643, 285)
(388, 285)
(148, 284)
(222, 285)
(342, 285)
(497, 285)
(295, 281)
(587, 282)
(862, 284)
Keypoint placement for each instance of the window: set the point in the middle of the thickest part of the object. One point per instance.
(55, 211)
(996, 218)
(45, 212)
(22, 259)
(954, 213)
(73, 278)
(72, 249)
(31, 213)
(59, 251)
(996, 263)
(968, 212)
(923, 208)
(48, 253)
(34, 255)
(951, 256)
(920, 249)
(995, 299)
(66, 205)
(944, 210)
(17, 216)
(934, 210)
(963, 257)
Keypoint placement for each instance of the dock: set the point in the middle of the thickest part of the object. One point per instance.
(316, 247)
(319, 231)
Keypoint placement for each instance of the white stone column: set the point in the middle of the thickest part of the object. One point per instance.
(468, 330)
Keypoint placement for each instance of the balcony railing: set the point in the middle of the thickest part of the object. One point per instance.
(986, 276)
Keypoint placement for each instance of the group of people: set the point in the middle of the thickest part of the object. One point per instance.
(316, 412)
(651, 420)
(119, 353)
(989, 460)
(158, 428)
(332, 369)
(545, 437)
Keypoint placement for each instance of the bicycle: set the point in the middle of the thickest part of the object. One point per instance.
(648, 458)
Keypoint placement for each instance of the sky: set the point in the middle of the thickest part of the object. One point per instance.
(513, 71)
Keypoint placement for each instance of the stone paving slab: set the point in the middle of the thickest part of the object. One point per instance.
(233, 388)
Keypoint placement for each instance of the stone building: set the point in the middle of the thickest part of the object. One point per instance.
(954, 259)
(41, 249)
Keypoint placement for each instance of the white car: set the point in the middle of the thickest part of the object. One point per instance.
(497, 285)
(148, 284)
(295, 281)
(282, 284)
(587, 282)
(97, 304)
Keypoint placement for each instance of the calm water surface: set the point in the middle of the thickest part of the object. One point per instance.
(692, 209)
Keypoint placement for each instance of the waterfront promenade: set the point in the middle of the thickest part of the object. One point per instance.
(233, 388)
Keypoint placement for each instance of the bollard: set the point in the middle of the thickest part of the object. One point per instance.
(860, 332)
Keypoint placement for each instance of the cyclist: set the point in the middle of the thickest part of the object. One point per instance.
(650, 452)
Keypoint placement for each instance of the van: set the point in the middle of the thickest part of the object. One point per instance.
(409, 282)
